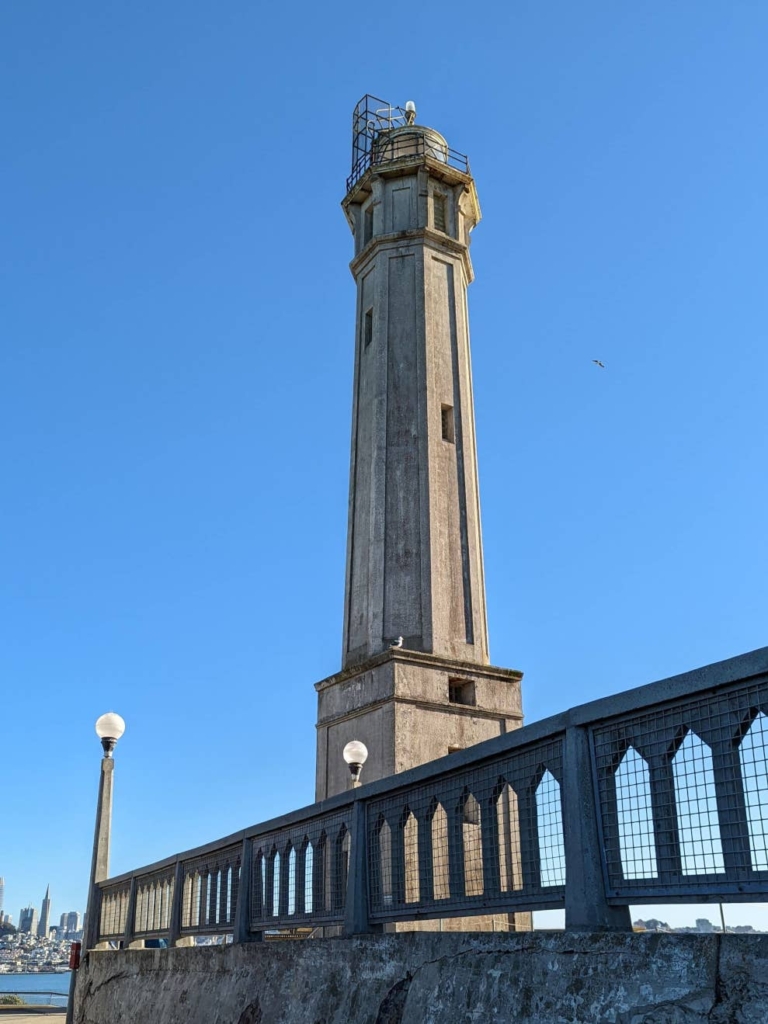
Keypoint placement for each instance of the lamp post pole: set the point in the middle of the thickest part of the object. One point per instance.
(109, 729)
(101, 841)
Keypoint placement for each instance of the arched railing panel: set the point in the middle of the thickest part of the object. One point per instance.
(470, 843)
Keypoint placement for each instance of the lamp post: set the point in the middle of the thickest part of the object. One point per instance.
(109, 729)
(355, 754)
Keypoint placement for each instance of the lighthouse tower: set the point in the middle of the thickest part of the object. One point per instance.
(416, 681)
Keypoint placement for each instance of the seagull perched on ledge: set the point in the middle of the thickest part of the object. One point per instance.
(398, 643)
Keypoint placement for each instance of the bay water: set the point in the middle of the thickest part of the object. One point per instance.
(37, 986)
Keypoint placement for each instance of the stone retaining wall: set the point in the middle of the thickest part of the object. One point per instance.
(423, 978)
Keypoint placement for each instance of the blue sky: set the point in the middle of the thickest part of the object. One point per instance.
(175, 376)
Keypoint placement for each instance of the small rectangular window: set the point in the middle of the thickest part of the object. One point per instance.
(368, 327)
(438, 202)
(367, 225)
(461, 691)
(446, 418)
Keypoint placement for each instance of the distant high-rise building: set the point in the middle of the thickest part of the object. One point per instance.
(73, 922)
(2, 896)
(28, 920)
(45, 915)
(63, 923)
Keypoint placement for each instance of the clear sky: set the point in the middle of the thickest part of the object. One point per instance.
(176, 319)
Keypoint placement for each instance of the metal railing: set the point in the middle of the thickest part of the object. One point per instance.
(382, 133)
(52, 1001)
(411, 144)
(658, 794)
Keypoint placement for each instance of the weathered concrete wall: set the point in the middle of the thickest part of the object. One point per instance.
(399, 705)
(535, 978)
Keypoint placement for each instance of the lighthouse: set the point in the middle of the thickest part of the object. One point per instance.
(416, 681)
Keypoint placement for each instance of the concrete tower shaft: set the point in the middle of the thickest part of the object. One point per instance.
(414, 554)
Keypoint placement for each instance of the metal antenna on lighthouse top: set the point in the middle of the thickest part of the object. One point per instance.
(372, 116)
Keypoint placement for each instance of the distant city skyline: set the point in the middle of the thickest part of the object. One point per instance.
(38, 922)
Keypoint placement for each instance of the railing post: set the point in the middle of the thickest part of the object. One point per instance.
(397, 859)
(284, 879)
(356, 921)
(177, 904)
(530, 854)
(489, 837)
(456, 864)
(301, 880)
(202, 899)
(130, 915)
(426, 855)
(586, 908)
(731, 809)
(665, 825)
(242, 929)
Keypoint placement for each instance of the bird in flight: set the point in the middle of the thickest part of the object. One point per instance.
(598, 363)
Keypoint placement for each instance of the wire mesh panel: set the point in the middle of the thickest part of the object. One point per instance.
(209, 896)
(635, 816)
(154, 896)
(114, 910)
(479, 838)
(549, 824)
(299, 874)
(683, 792)
(753, 760)
(698, 826)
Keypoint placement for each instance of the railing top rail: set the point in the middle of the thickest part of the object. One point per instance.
(32, 992)
(688, 684)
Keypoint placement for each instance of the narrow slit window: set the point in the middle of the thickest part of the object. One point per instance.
(368, 327)
(461, 691)
(446, 416)
(438, 202)
(367, 225)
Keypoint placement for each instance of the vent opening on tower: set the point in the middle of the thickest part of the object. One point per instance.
(438, 207)
(446, 416)
(368, 327)
(461, 691)
(368, 224)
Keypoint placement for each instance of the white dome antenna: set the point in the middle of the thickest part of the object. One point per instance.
(410, 112)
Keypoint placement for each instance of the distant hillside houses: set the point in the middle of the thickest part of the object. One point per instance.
(702, 926)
